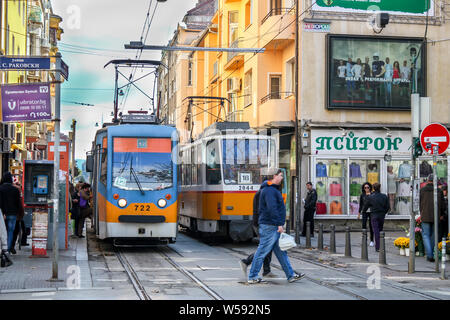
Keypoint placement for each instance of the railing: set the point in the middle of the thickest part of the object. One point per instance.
(231, 55)
(276, 95)
(235, 116)
(276, 12)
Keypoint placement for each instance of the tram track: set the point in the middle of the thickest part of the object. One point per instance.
(295, 255)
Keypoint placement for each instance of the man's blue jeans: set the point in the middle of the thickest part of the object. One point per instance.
(10, 223)
(268, 240)
(428, 238)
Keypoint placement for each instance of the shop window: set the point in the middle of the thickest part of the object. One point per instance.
(426, 168)
(399, 187)
(361, 171)
(330, 186)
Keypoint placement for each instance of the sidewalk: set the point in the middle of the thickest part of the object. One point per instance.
(32, 274)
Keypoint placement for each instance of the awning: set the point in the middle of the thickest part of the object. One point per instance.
(18, 147)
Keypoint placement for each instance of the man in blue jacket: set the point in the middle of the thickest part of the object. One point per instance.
(272, 217)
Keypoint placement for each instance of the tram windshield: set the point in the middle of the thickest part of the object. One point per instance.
(142, 164)
(244, 158)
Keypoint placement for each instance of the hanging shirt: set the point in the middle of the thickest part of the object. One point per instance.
(425, 169)
(335, 190)
(404, 171)
(441, 170)
(335, 207)
(336, 170)
(321, 189)
(355, 189)
(355, 171)
(354, 207)
(392, 186)
(321, 170)
(404, 207)
(404, 189)
(372, 177)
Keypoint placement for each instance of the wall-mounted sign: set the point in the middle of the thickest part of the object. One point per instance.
(26, 63)
(394, 6)
(316, 27)
(26, 102)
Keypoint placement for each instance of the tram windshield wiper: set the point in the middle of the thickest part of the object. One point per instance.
(136, 178)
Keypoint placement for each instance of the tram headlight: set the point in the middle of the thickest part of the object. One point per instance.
(162, 203)
(122, 203)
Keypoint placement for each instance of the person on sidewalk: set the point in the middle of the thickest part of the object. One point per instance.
(10, 205)
(272, 217)
(379, 205)
(366, 191)
(268, 259)
(310, 208)
(443, 220)
(427, 215)
(5, 260)
(20, 224)
(75, 211)
(85, 208)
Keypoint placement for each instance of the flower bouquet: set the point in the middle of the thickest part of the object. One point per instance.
(418, 236)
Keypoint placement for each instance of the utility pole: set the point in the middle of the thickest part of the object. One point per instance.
(74, 124)
(435, 211)
(297, 193)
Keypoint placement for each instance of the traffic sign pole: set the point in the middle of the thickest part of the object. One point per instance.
(435, 212)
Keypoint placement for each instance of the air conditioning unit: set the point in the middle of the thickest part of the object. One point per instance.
(236, 84)
(6, 146)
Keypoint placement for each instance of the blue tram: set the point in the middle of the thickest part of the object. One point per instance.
(134, 183)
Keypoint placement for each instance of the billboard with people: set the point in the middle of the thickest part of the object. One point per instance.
(374, 72)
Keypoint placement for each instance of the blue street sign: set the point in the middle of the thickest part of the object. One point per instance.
(25, 63)
(64, 70)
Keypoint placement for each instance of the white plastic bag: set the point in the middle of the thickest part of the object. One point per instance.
(286, 242)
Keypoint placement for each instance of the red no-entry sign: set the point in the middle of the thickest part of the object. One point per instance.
(434, 136)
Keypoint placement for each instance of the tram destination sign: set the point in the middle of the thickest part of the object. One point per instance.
(25, 63)
(26, 102)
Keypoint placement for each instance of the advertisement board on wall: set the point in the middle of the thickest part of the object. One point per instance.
(374, 72)
(398, 7)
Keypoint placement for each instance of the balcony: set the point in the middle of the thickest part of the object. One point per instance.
(277, 109)
(278, 28)
(235, 116)
(234, 59)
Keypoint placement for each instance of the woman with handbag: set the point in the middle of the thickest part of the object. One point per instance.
(365, 193)
(5, 260)
(85, 208)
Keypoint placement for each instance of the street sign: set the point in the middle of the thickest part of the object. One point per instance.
(435, 139)
(64, 70)
(25, 63)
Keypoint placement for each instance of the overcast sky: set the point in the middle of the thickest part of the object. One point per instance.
(94, 33)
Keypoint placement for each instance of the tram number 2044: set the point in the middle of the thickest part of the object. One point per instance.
(142, 208)
(246, 188)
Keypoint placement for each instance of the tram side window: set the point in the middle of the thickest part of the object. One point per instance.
(212, 163)
(199, 164)
(103, 165)
(194, 165)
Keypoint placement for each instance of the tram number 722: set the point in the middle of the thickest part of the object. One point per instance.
(142, 208)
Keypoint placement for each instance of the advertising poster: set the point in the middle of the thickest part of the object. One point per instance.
(373, 72)
(26, 102)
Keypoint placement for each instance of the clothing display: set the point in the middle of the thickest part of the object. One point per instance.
(336, 170)
(441, 169)
(404, 207)
(321, 208)
(321, 189)
(335, 189)
(404, 189)
(355, 189)
(391, 183)
(321, 170)
(425, 169)
(355, 170)
(335, 207)
(404, 171)
(354, 207)
(372, 177)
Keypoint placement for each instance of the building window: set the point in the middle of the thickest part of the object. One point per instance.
(275, 87)
(248, 13)
(233, 24)
(248, 89)
(275, 7)
(190, 74)
(290, 76)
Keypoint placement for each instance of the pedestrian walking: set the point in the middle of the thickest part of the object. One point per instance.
(379, 205)
(11, 205)
(4, 257)
(75, 210)
(366, 191)
(310, 208)
(427, 215)
(443, 220)
(20, 224)
(85, 207)
(268, 258)
(272, 217)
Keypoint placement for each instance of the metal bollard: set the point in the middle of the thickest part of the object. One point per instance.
(348, 245)
(382, 258)
(364, 252)
(320, 240)
(308, 235)
(332, 239)
(444, 251)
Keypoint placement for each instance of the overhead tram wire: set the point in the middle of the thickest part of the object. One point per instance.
(279, 32)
